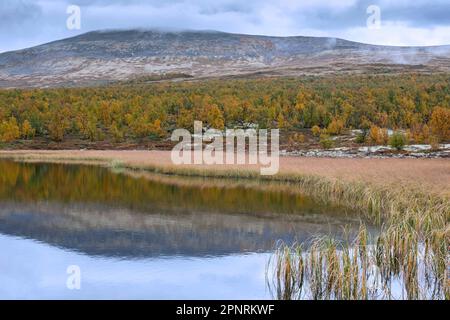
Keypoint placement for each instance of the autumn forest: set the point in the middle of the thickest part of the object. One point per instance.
(417, 104)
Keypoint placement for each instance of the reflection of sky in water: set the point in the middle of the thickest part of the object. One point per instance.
(115, 232)
(30, 270)
(152, 237)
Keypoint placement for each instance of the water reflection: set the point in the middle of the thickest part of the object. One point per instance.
(130, 227)
(94, 211)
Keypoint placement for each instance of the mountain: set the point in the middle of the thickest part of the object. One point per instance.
(105, 56)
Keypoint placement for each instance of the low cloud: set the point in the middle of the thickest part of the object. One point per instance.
(30, 22)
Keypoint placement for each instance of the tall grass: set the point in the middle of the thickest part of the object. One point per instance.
(399, 264)
(408, 260)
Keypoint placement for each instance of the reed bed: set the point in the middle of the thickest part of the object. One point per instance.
(396, 266)
(408, 260)
(403, 262)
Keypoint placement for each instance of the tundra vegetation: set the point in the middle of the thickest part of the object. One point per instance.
(419, 105)
(409, 259)
(410, 253)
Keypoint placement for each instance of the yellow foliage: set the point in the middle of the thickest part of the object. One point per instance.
(316, 131)
(116, 133)
(9, 130)
(353, 102)
(434, 142)
(28, 131)
(440, 123)
(155, 128)
(185, 119)
(378, 136)
(296, 138)
(213, 117)
(419, 133)
(280, 121)
(335, 127)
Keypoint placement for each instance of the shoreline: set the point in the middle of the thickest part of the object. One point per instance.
(432, 175)
(378, 188)
(408, 217)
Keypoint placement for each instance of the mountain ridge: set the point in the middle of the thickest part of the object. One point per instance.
(104, 56)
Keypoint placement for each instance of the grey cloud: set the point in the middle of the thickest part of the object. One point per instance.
(414, 13)
(16, 13)
(427, 16)
(33, 21)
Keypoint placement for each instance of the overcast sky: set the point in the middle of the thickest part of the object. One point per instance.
(25, 23)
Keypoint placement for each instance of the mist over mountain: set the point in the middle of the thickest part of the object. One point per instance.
(116, 55)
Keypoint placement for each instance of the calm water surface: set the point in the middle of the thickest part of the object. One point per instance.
(143, 236)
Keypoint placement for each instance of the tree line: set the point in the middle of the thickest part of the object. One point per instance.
(417, 103)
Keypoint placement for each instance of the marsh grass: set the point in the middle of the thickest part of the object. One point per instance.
(408, 260)
(399, 264)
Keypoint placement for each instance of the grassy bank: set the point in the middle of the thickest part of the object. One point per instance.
(379, 188)
(411, 252)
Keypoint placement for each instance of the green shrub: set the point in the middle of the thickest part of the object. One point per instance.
(397, 141)
(326, 142)
(361, 137)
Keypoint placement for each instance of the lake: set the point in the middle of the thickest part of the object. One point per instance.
(137, 235)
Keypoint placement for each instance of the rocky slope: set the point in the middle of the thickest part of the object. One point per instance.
(103, 56)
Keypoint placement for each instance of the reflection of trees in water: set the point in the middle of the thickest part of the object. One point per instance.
(92, 210)
(72, 183)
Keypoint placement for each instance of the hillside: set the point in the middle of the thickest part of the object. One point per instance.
(105, 56)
